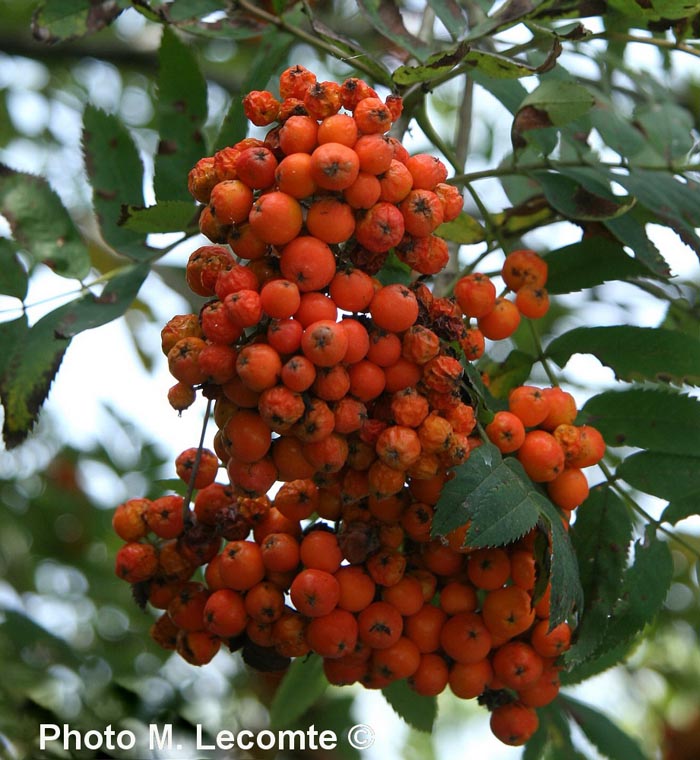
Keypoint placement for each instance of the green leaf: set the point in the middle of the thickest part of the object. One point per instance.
(683, 316)
(588, 263)
(181, 113)
(436, 65)
(509, 14)
(669, 199)
(166, 216)
(600, 535)
(647, 418)
(452, 16)
(567, 195)
(490, 64)
(31, 367)
(184, 10)
(668, 476)
(656, 10)
(41, 225)
(465, 230)
(634, 353)
(386, 18)
(681, 508)
(394, 270)
(116, 176)
(566, 595)
(493, 495)
(303, 684)
(558, 102)
(271, 52)
(12, 336)
(13, 276)
(605, 735)
(60, 20)
(419, 712)
(644, 590)
(506, 375)
(667, 128)
(631, 231)
(617, 130)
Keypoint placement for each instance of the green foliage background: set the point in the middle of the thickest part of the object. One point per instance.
(598, 157)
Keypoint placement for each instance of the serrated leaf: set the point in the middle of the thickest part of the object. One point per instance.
(12, 334)
(601, 535)
(303, 684)
(566, 595)
(41, 225)
(634, 353)
(669, 199)
(646, 418)
(568, 196)
(656, 10)
(166, 216)
(668, 476)
(116, 176)
(60, 20)
(489, 493)
(605, 735)
(419, 712)
(464, 230)
(181, 112)
(588, 263)
(679, 509)
(386, 18)
(632, 232)
(644, 590)
(31, 367)
(506, 375)
(13, 276)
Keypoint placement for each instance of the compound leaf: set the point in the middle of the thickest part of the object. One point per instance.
(13, 276)
(489, 493)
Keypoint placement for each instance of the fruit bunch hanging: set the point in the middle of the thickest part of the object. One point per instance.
(341, 409)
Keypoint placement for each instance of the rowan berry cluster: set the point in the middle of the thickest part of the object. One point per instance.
(341, 410)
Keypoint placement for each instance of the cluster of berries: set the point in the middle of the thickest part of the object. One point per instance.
(341, 410)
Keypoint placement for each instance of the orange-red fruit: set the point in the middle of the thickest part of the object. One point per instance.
(514, 723)
(541, 456)
(394, 308)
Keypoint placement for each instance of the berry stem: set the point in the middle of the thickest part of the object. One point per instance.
(611, 479)
(186, 514)
(541, 356)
